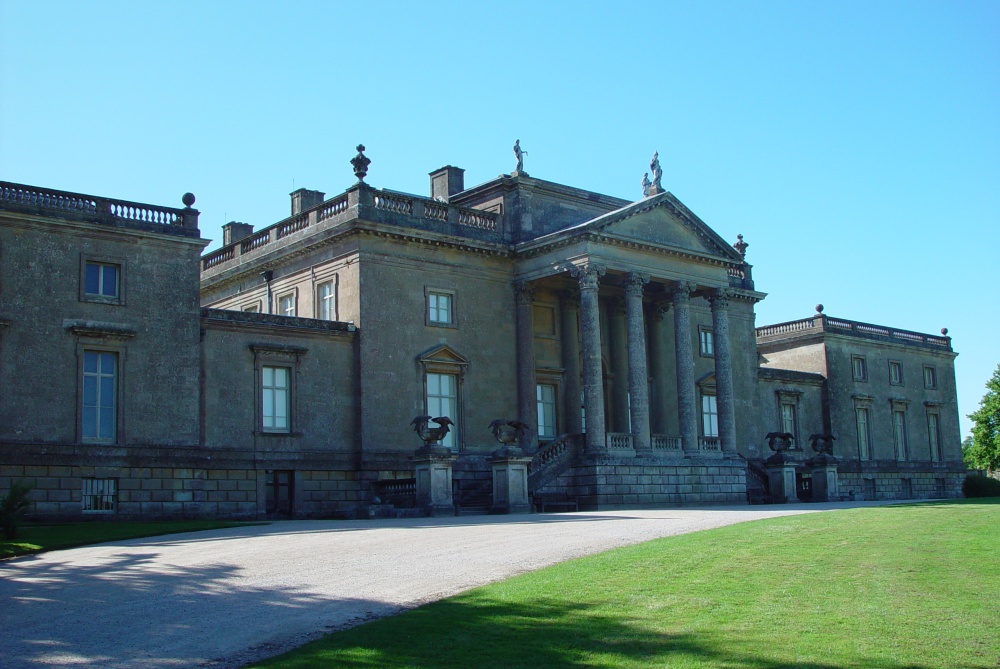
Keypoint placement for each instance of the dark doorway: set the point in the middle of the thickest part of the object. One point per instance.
(804, 487)
(279, 493)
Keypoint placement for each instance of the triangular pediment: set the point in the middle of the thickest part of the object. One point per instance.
(662, 220)
(443, 354)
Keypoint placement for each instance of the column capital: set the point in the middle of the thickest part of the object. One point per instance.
(659, 310)
(719, 298)
(569, 298)
(524, 292)
(634, 282)
(588, 274)
(682, 291)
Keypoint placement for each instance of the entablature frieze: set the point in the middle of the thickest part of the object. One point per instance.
(281, 255)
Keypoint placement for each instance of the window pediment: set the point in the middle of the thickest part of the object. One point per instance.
(443, 355)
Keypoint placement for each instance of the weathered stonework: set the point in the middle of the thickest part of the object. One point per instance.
(629, 322)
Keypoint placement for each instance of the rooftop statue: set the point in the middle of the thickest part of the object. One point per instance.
(520, 156)
(646, 183)
(654, 167)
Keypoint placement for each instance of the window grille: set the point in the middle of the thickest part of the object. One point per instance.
(100, 495)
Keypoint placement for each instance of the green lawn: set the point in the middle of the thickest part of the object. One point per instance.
(39, 538)
(901, 587)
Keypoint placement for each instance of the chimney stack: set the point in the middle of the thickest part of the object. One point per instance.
(446, 182)
(234, 232)
(304, 199)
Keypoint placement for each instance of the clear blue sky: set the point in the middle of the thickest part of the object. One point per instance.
(855, 145)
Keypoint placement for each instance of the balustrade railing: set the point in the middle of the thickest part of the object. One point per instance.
(218, 257)
(662, 442)
(393, 203)
(708, 443)
(823, 323)
(333, 207)
(103, 208)
(552, 451)
(741, 277)
(300, 222)
(435, 212)
(256, 241)
(785, 328)
(477, 219)
(619, 440)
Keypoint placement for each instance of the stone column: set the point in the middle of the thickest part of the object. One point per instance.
(638, 379)
(723, 370)
(527, 407)
(658, 369)
(686, 409)
(590, 325)
(569, 313)
(618, 352)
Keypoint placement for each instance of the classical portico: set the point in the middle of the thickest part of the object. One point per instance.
(615, 344)
(646, 286)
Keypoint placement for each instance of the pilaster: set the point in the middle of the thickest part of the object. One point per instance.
(527, 408)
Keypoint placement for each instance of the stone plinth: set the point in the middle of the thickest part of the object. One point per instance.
(824, 478)
(781, 479)
(432, 468)
(824, 484)
(510, 482)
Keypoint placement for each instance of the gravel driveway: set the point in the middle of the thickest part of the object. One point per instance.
(227, 597)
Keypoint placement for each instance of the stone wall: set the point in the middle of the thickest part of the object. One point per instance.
(329, 494)
(610, 483)
(887, 483)
(181, 492)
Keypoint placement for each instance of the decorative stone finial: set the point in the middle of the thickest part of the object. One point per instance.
(741, 246)
(819, 308)
(361, 163)
(944, 331)
(188, 199)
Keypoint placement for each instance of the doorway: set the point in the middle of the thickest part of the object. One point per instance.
(804, 487)
(279, 493)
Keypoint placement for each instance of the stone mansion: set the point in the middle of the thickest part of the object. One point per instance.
(278, 375)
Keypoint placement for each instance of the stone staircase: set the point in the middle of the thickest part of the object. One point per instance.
(472, 497)
(552, 460)
(758, 484)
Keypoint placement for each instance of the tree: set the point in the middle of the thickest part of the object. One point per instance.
(984, 451)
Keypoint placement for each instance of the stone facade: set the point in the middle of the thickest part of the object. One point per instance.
(277, 376)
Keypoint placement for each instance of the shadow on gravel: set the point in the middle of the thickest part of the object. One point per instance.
(93, 615)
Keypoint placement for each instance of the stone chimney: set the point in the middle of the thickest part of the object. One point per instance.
(234, 232)
(446, 182)
(303, 199)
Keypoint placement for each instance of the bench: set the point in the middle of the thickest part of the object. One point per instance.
(558, 500)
